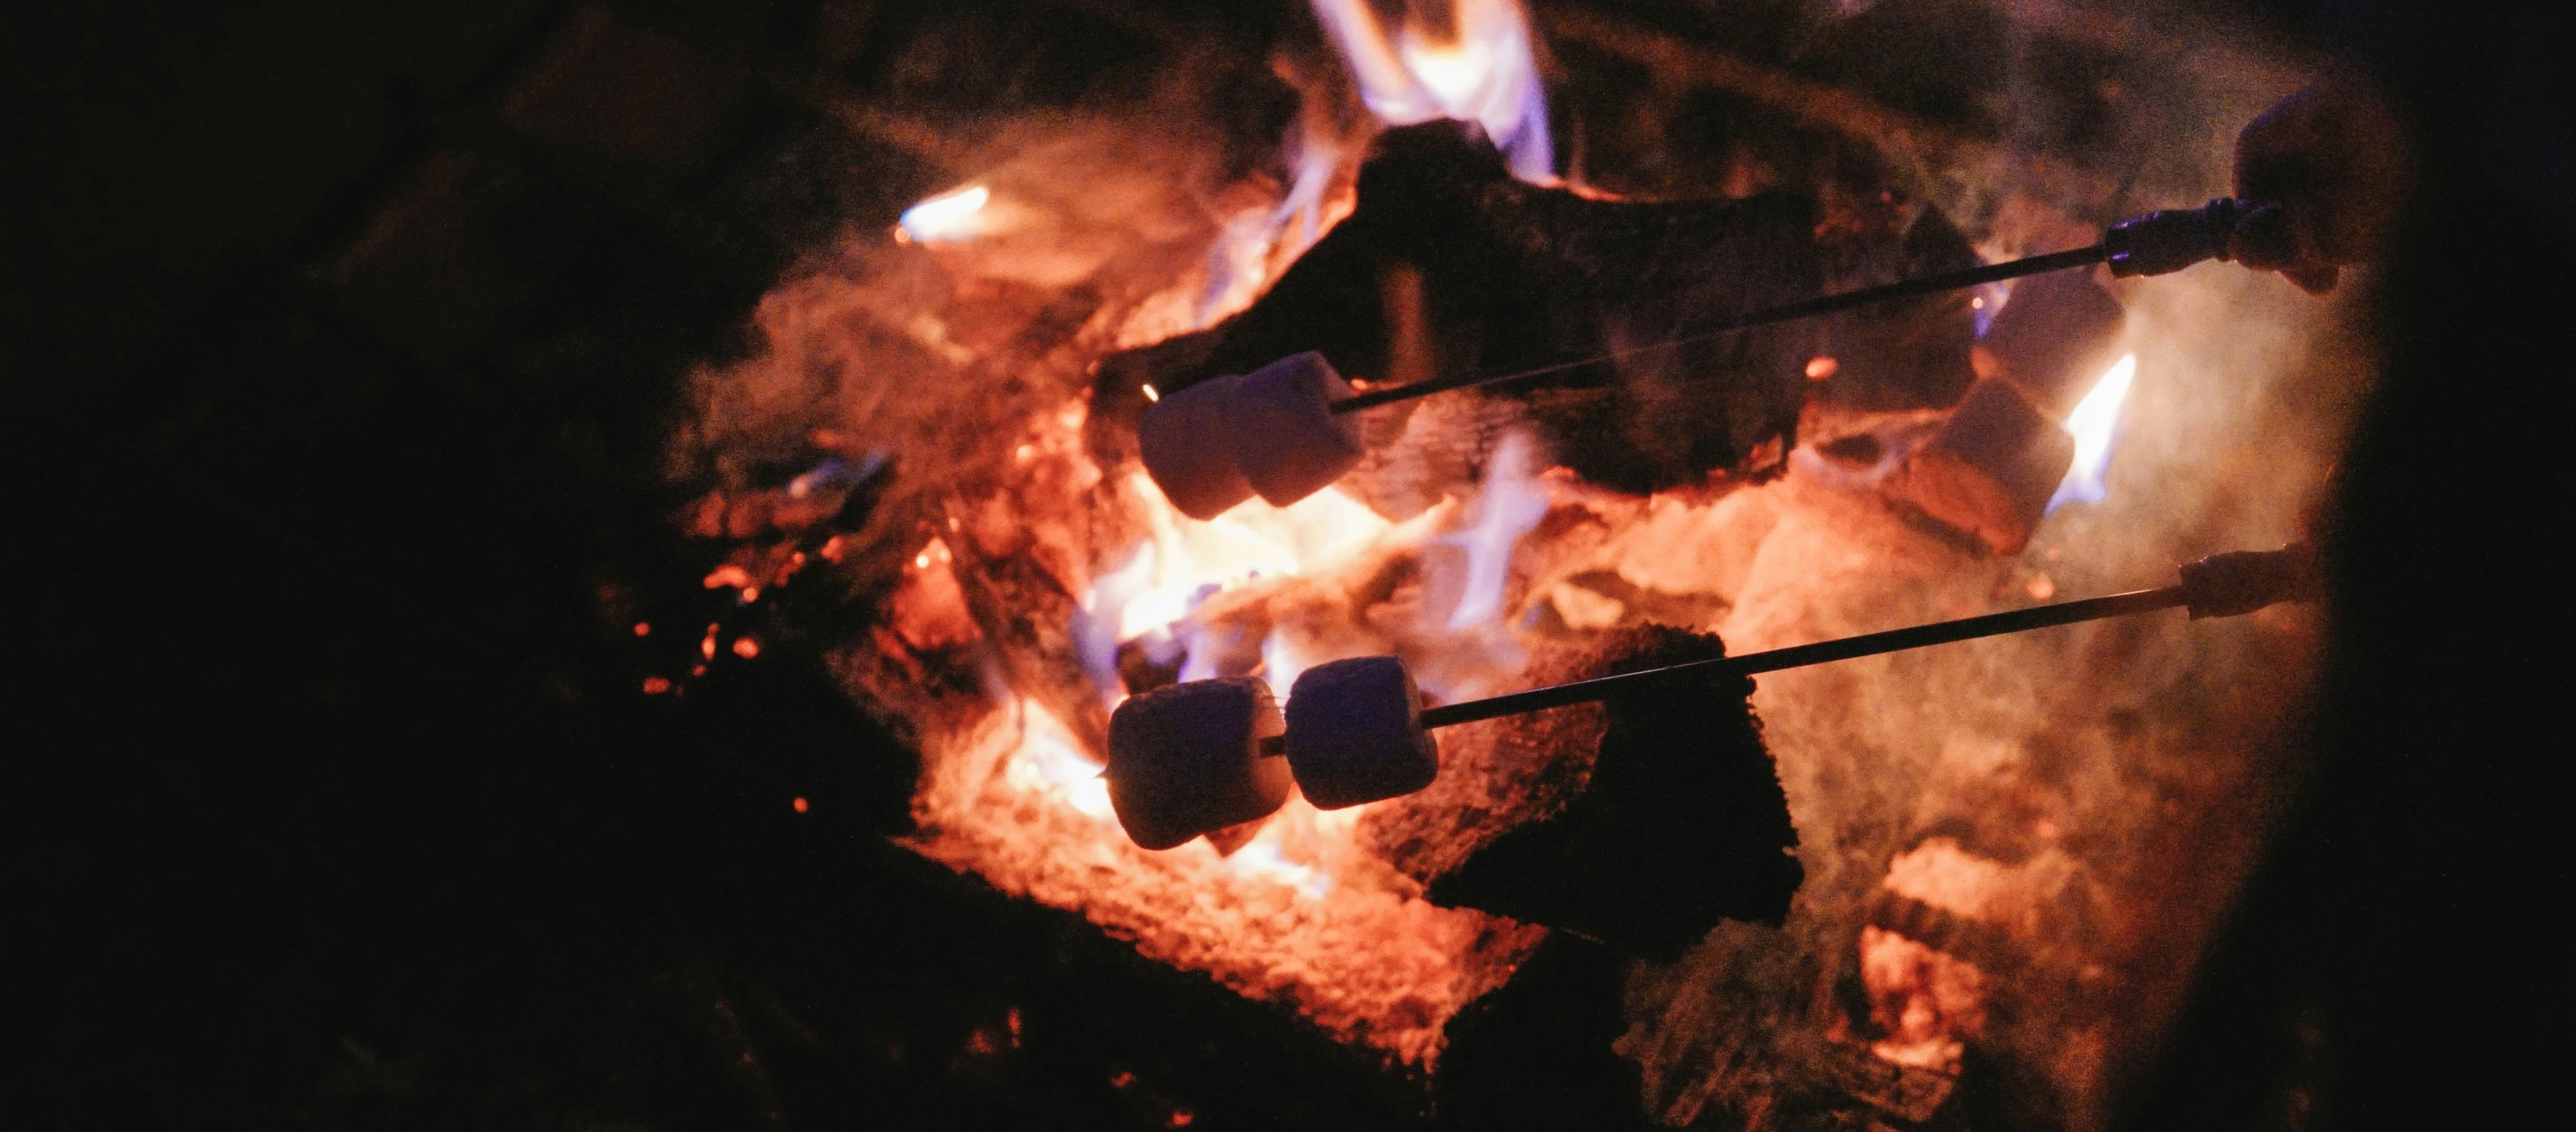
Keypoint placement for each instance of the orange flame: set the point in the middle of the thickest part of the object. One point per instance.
(2096, 425)
(1476, 66)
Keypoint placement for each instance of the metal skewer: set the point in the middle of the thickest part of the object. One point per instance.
(2153, 243)
(2221, 585)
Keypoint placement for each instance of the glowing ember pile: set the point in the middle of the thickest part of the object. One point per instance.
(2015, 844)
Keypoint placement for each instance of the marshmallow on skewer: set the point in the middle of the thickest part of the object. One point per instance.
(1186, 759)
(1991, 468)
(1188, 441)
(2054, 336)
(1285, 437)
(1355, 733)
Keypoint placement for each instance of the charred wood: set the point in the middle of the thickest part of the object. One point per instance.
(1641, 822)
(1909, 354)
(1448, 265)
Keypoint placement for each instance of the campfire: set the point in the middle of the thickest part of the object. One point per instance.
(1866, 884)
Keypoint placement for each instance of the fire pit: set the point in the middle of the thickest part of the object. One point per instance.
(2012, 850)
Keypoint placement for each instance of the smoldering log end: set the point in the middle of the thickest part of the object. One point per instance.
(1682, 823)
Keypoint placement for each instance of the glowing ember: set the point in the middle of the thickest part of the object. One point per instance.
(1475, 66)
(2096, 425)
(948, 216)
(1300, 914)
(1925, 1000)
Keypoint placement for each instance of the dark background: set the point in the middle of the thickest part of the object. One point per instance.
(336, 372)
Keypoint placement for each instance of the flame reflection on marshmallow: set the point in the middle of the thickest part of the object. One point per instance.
(948, 216)
(2096, 425)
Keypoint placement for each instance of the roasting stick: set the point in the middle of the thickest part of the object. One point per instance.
(1201, 756)
(1803, 308)
(2155, 243)
(1820, 652)
(2221, 585)
(1286, 430)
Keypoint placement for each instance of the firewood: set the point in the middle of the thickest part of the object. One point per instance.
(1641, 822)
(1514, 276)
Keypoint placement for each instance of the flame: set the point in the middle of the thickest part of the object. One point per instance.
(1510, 506)
(1180, 563)
(1050, 761)
(2096, 425)
(948, 216)
(1475, 67)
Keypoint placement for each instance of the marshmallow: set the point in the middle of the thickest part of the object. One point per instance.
(1185, 759)
(1991, 469)
(1282, 430)
(1355, 733)
(1188, 442)
(2056, 334)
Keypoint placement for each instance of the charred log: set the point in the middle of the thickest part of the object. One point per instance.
(1908, 354)
(1450, 265)
(1536, 1052)
(1676, 822)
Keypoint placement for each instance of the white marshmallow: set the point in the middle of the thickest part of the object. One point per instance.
(1186, 760)
(1284, 435)
(1355, 733)
(1188, 442)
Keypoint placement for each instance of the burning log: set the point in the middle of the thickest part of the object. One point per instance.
(1911, 353)
(1502, 276)
(1641, 822)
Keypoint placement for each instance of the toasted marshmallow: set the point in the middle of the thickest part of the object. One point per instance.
(1355, 733)
(1186, 759)
(1188, 441)
(1285, 438)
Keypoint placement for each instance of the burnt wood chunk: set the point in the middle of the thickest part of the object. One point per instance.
(1678, 820)
(1449, 265)
(1991, 469)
